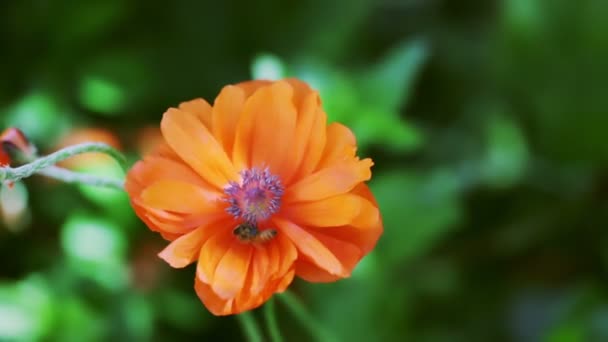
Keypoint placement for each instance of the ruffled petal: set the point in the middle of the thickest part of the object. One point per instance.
(212, 251)
(366, 235)
(266, 128)
(250, 87)
(310, 247)
(348, 254)
(288, 254)
(308, 106)
(330, 212)
(200, 108)
(193, 142)
(259, 268)
(285, 281)
(226, 111)
(315, 146)
(214, 303)
(340, 145)
(336, 179)
(244, 301)
(184, 250)
(180, 197)
(154, 168)
(232, 269)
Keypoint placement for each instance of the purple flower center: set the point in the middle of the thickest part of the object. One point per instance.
(257, 196)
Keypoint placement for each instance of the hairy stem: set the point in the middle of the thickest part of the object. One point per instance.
(38, 165)
(72, 177)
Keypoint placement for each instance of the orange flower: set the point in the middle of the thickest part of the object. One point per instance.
(257, 189)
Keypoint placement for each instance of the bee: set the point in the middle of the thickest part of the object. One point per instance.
(248, 232)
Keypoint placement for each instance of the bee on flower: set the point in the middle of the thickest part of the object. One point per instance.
(256, 189)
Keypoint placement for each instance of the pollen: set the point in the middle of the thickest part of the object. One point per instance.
(256, 197)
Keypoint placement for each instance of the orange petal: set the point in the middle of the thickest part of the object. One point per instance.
(193, 142)
(266, 128)
(364, 239)
(348, 254)
(337, 179)
(259, 269)
(314, 274)
(288, 254)
(180, 197)
(250, 87)
(172, 228)
(369, 215)
(232, 269)
(341, 145)
(153, 168)
(315, 145)
(212, 252)
(225, 115)
(307, 106)
(213, 303)
(311, 247)
(185, 249)
(330, 212)
(366, 235)
(200, 108)
(300, 90)
(285, 281)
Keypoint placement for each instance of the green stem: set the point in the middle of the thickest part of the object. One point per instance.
(317, 330)
(72, 177)
(271, 321)
(250, 327)
(37, 165)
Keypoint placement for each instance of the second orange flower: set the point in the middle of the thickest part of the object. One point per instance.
(256, 189)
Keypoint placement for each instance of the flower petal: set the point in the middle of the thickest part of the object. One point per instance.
(307, 103)
(250, 87)
(314, 274)
(285, 281)
(212, 252)
(334, 180)
(315, 145)
(185, 249)
(225, 116)
(180, 197)
(311, 247)
(259, 269)
(153, 168)
(341, 145)
(193, 142)
(348, 254)
(366, 235)
(216, 305)
(200, 108)
(232, 269)
(330, 212)
(266, 128)
(287, 254)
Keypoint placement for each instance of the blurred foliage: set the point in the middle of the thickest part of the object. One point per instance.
(486, 121)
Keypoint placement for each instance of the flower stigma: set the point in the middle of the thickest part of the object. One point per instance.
(256, 198)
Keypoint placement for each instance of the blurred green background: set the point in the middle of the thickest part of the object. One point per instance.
(487, 122)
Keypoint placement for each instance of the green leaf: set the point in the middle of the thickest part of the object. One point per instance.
(418, 209)
(376, 127)
(506, 156)
(388, 85)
